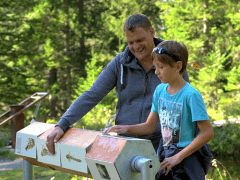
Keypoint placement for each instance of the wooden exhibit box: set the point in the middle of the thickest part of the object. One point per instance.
(73, 147)
(43, 155)
(26, 138)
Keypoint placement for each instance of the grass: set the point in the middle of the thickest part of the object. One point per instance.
(39, 173)
(227, 169)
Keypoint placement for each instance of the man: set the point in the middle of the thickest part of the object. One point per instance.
(132, 73)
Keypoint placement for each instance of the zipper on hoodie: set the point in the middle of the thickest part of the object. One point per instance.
(146, 82)
(144, 93)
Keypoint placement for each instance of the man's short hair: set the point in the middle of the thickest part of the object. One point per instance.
(177, 49)
(137, 20)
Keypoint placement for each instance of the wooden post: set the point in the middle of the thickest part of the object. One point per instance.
(17, 123)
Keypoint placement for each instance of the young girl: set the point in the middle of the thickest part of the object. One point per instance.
(180, 109)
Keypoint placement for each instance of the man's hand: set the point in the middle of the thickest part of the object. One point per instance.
(117, 129)
(52, 138)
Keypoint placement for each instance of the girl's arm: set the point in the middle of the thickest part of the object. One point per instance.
(205, 135)
(146, 128)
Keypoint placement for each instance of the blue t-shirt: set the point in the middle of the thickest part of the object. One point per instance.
(178, 113)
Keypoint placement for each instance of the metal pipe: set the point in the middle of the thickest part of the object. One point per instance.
(145, 166)
(27, 171)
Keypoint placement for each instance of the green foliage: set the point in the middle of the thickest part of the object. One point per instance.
(220, 171)
(2, 143)
(224, 168)
(208, 29)
(226, 140)
(6, 154)
(9, 155)
(14, 48)
(51, 121)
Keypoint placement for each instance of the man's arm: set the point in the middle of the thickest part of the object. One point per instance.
(84, 103)
(146, 128)
(205, 135)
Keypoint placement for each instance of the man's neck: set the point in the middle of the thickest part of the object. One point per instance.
(147, 64)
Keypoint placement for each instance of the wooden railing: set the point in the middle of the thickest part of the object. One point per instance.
(17, 116)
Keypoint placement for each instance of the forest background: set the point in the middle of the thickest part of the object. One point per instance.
(61, 46)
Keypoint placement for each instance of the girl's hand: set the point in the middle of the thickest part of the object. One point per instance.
(169, 163)
(117, 129)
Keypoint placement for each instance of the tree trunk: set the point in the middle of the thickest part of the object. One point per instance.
(206, 28)
(53, 98)
(81, 40)
(68, 81)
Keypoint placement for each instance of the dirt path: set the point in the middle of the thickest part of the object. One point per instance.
(10, 165)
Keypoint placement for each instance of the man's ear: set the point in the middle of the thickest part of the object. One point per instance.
(152, 31)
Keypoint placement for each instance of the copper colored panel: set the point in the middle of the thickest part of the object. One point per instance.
(106, 148)
(79, 137)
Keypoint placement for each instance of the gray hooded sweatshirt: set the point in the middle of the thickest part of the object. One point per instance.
(134, 89)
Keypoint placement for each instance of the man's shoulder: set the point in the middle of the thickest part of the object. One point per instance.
(121, 57)
(117, 59)
(157, 40)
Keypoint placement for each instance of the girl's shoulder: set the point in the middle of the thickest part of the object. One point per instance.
(190, 90)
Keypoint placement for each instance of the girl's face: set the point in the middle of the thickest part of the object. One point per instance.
(164, 72)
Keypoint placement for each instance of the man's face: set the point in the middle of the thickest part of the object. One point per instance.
(140, 42)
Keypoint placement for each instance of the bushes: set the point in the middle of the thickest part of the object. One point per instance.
(226, 140)
(2, 142)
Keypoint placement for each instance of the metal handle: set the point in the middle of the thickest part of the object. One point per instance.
(145, 166)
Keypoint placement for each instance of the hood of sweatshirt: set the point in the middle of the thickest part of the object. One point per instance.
(128, 59)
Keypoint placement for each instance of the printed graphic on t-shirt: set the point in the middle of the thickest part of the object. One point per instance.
(170, 115)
